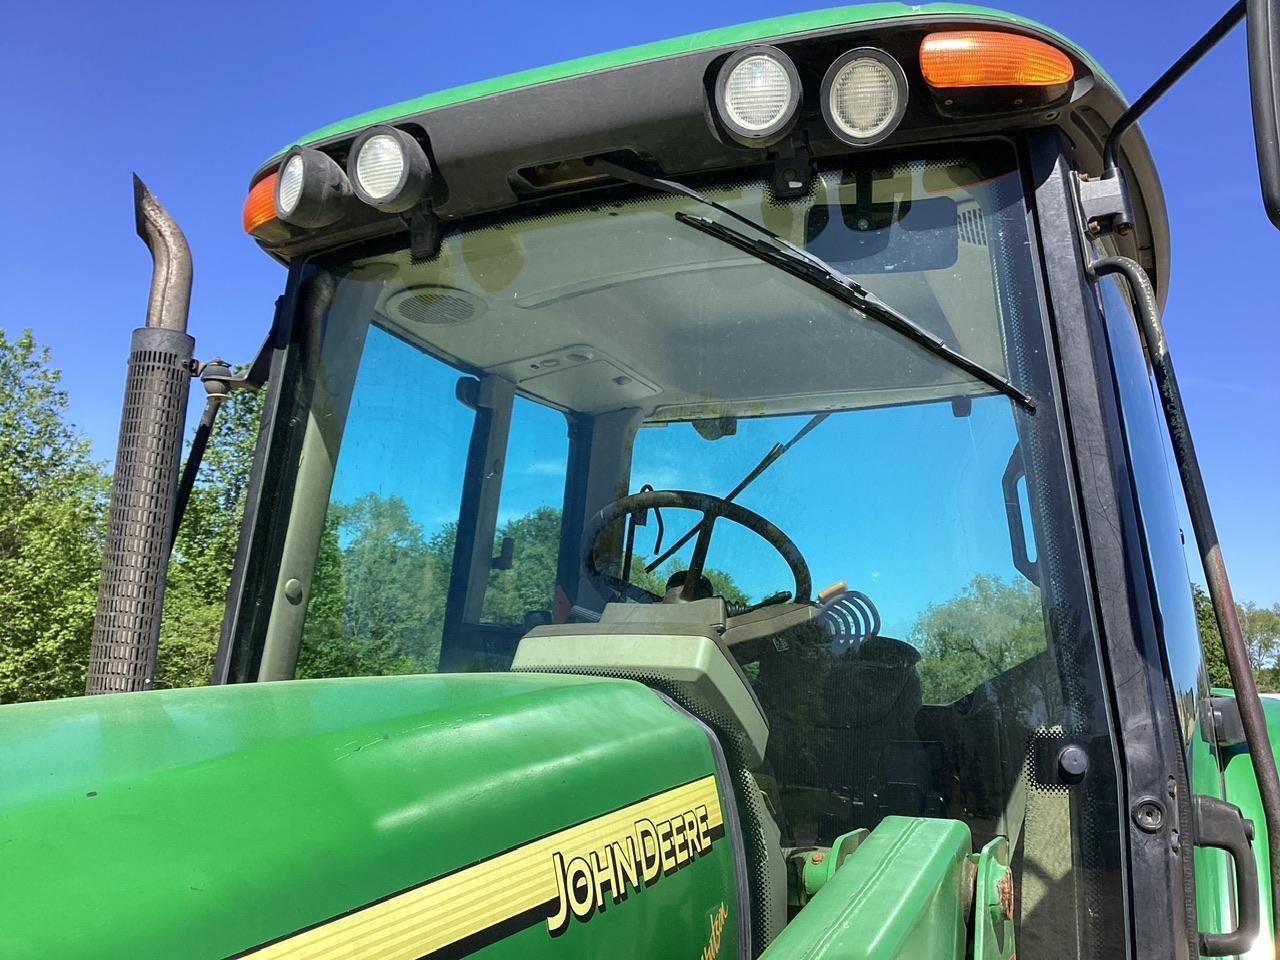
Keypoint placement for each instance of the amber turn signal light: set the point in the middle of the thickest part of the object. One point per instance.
(260, 205)
(988, 58)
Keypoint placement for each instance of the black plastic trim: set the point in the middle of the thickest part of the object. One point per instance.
(270, 478)
(1146, 734)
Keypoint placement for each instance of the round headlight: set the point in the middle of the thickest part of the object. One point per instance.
(311, 189)
(864, 96)
(289, 187)
(757, 94)
(389, 169)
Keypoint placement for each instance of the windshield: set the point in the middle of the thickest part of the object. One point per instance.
(457, 423)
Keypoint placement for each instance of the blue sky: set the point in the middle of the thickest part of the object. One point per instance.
(194, 98)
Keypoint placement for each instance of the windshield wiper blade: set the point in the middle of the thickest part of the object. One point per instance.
(852, 293)
(813, 270)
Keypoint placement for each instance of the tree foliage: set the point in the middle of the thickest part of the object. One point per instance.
(200, 567)
(1260, 627)
(992, 626)
(381, 582)
(380, 590)
(52, 499)
(377, 603)
(1214, 656)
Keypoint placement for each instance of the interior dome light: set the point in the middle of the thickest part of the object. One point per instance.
(864, 96)
(310, 189)
(389, 170)
(757, 95)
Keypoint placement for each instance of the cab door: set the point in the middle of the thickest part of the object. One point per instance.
(1160, 509)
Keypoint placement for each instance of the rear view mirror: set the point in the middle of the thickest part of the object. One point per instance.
(1262, 22)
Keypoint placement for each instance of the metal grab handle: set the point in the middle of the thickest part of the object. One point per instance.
(1220, 824)
(1013, 472)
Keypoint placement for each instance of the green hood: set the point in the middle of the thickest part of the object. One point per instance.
(205, 822)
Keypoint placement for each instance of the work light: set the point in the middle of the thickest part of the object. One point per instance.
(310, 188)
(757, 93)
(864, 96)
(389, 170)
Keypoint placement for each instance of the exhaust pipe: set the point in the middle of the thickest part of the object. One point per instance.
(135, 560)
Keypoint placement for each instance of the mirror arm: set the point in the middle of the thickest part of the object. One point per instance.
(1167, 80)
(1264, 68)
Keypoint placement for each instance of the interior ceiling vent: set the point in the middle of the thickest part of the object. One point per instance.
(972, 227)
(434, 305)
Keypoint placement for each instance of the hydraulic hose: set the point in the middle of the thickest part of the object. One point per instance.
(1215, 571)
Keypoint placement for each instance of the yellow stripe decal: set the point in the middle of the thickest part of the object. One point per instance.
(553, 879)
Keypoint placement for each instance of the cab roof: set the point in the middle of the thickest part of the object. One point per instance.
(771, 28)
(650, 100)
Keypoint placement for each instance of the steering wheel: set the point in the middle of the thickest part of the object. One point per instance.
(712, 508)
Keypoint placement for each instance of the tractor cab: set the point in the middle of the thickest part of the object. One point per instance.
(626, 433)
(711, 499)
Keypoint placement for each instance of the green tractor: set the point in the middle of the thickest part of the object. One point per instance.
(710, 502)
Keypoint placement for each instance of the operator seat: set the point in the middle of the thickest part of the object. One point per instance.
(843, 751)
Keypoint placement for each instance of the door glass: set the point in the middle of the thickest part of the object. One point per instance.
(1158, 502)
(386, 552)
(522, 584)
(1147, 440)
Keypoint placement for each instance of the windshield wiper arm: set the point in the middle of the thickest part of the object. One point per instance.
(768, 460)
(782, 253)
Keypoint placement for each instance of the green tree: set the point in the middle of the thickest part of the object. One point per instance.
(991, 627)
(1260, 627)
(52, 508)
(1214, 655)
(722, 581)
(377, 603)
(323, 652)
(200, 567)
(530, 583)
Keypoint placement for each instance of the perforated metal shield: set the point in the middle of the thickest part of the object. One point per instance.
(135, 559)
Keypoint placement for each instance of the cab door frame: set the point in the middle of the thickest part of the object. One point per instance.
(1154, 817)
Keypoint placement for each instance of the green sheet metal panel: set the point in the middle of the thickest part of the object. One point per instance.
(1214, 896)
(773, 28)
(900, 895)
(1241, 784)
(206, 822)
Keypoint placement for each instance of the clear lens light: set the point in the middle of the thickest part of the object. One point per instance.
(290, 187)
(757, 92)
(864, 97)
(380, 166)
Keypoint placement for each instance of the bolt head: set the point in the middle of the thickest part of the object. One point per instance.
(1073, 763)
